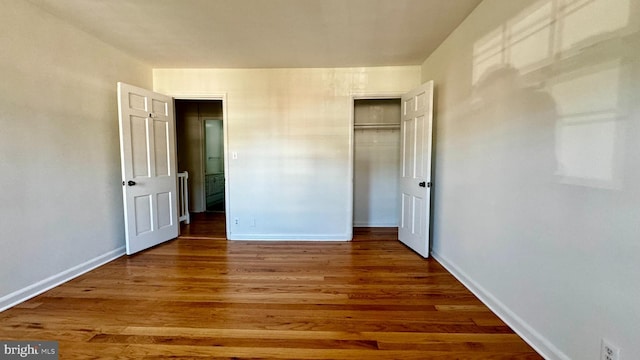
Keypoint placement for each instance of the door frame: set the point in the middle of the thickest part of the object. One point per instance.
(225, 134)
(375, 95)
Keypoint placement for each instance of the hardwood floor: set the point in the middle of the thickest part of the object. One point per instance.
(210, 225)
(194, 297)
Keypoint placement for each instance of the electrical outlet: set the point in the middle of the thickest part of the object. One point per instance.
(236, 221)
(609, 351)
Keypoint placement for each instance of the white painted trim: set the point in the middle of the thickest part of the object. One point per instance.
(183, 193)
(195, 96)
(350, 172)
(225, 132)
(41, 286)
(290, 237)
(538, 342)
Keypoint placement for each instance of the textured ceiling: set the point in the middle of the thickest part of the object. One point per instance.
(268, 33)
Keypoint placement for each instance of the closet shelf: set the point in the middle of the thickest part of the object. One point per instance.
(376, 126)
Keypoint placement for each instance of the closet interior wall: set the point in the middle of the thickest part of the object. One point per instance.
(376, 162)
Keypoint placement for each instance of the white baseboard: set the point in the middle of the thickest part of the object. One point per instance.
(38, 288)
(290, 237)
(542, 345)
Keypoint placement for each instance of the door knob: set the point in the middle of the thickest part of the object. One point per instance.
(422, 184)
(131, 182)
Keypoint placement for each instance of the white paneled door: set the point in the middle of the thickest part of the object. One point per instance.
(415, 168)
(147, 148)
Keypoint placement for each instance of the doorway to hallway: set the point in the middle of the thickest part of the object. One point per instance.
(200, 147)
(200, 133)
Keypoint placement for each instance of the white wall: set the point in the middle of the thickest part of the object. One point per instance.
(291, 131)
(61, 199)
(537, 168)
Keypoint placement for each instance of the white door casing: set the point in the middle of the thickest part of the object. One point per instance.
(148, 158)
(415, 168)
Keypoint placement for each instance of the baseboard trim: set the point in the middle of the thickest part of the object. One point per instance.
(289, 237)
(39, 287)
(539, 343)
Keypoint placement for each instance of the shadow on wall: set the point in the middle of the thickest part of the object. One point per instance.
(546, 141)
(510, 159)
(570, 70)
(539, 164)
(518, 130)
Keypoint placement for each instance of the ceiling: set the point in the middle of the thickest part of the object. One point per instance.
(268, 33)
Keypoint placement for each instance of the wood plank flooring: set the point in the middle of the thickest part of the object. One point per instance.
(209, 225)
(195, 297)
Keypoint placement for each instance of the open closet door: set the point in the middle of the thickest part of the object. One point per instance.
(148, 156)
(415, 168)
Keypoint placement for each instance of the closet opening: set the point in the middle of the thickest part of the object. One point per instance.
(376, 151)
